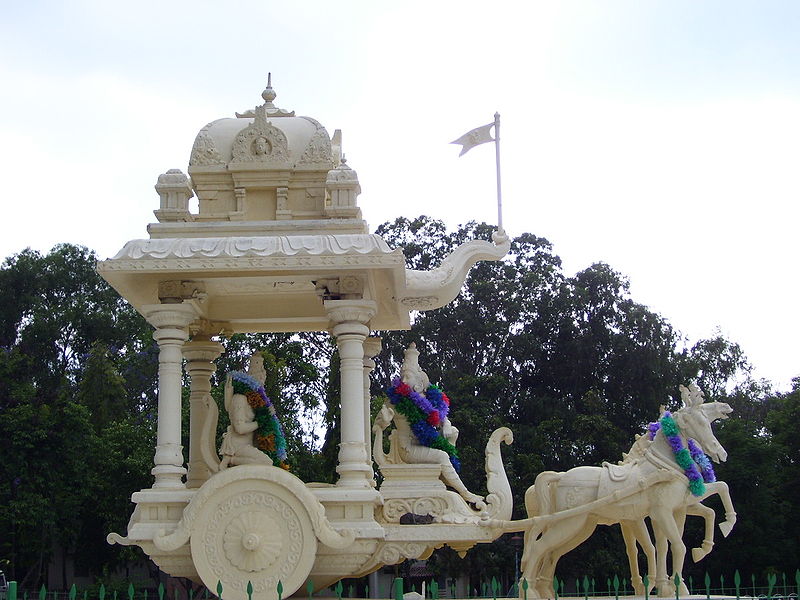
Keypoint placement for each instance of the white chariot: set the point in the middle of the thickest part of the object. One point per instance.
(278, 245)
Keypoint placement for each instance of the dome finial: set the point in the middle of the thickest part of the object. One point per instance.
(269, 94)
(268, 108)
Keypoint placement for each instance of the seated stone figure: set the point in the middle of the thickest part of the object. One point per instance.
(407, 447)
(243, 443)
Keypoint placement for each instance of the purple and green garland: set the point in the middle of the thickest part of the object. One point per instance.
(269, 436)
(695, 464)
(424, 413)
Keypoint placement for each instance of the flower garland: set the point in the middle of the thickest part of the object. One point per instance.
(695, 464)
(702, 461)
(424, 413)
(269, 436)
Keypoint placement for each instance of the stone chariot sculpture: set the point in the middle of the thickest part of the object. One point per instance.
(278, 245)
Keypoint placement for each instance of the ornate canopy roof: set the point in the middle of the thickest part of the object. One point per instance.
(278, 230)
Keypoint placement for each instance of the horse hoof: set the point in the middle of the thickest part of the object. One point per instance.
(698, 554)
(725, 528)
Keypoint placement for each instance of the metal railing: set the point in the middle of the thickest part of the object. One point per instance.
(776, 586)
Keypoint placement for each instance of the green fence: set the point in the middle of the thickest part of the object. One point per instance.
(775, 586)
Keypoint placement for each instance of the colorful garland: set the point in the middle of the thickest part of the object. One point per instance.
(695, 464)
(702, 461)
(424, 413)
(269, 436)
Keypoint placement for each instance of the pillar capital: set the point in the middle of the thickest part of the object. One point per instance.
(350, 311)
(202, 350)
(170, 316)
(372, 347)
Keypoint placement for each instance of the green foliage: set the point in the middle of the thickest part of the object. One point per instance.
(66, 338)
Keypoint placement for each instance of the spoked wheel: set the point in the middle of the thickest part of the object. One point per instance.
(253, 531)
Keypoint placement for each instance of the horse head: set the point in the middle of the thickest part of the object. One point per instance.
(716, 410)
(695, 417)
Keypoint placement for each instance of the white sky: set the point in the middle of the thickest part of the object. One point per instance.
(658, 136)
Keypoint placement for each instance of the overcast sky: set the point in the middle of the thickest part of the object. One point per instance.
(658, 136)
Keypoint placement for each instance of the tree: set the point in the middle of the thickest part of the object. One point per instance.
(102, 388)
(66, 337)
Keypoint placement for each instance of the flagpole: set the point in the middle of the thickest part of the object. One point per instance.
(497, 160)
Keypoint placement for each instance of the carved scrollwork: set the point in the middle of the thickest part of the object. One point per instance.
(318, 150)
(396, 552)
(500, 501)
(421, 303)
(444, 282)
(204, 150)
(395, 508)
(235, 247)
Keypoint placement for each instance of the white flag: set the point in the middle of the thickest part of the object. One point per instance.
(479, 135)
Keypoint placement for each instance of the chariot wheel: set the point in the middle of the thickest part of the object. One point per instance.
(255, 531)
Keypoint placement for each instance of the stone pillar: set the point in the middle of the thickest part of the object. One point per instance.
(170, 321)
(200, 354)
(372, 347)
(348, 320)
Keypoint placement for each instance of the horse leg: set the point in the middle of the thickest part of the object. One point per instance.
(670, 531)
(632, 551)
(664, 586)
(544, 555)
(721, 488)
(638, 529)
(531, 541)
(700, 510)
(548, 570)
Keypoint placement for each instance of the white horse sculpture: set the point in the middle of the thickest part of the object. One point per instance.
(565, 508)
(636, 532)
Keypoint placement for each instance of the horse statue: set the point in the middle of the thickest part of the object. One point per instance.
(658, 479)
(635, 532)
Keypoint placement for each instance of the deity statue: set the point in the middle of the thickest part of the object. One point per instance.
(261, 146)
(247, 442)
(431, 438)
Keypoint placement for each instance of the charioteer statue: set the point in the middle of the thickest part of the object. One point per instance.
(424, 433)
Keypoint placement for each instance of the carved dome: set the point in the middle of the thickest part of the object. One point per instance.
(280, 141)
(267, 166)
(262, 137)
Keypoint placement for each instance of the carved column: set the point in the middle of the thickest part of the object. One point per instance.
(200, 355)
(348, 319)
(372, 347)
(170, 321)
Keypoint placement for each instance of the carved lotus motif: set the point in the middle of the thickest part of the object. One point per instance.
(252, 541)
